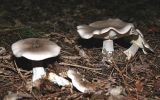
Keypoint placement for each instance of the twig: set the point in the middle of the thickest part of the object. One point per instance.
(16, 95)
(66, 52)
(54, 95)
(82, 53)
(7, 57)
(121, 74)
(98, 73)
(9, 29)
(24, 80)
(6, 66)
(2, 50)
(79, 66)
(71, 57)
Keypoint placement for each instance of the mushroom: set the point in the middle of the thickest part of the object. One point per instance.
(36, 49)
(111, 29)
(137, 43)
(80, 83)
(58, 79)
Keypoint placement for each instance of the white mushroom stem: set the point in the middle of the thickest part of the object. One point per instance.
(79, 83)
(38, 73)
(107, 50)
(107, 46)
(58, 79)
(131, 51)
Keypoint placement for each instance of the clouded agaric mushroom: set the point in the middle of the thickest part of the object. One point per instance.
(111, 29)
(36, 49)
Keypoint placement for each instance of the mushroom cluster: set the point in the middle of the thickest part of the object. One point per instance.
(111, 29)
(36, 49)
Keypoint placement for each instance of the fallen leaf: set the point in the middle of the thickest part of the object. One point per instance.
(153, 29)
(2, 50)
(140, 68)
(139, 86)
(157, 86)
(116, 91)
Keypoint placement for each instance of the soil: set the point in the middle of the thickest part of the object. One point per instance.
(57, 20)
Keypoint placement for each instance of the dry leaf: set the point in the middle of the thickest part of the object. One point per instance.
(140, 68)
(153, 29)
(139, 86)
(157, 86)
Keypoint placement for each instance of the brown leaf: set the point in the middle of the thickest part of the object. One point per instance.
(140, 68)
(130, 98)
(139, 86)
(157, 86)
(153, 29)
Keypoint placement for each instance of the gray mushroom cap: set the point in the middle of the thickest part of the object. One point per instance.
(35, 49)
(101, 29)
(116, 23)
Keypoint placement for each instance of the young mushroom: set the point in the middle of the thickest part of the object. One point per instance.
(111, 29)
(79, 83)
(36, 49)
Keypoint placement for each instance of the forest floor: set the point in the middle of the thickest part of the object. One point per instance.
(57, 21)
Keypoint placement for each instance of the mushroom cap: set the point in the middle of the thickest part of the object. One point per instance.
(35, 49)
(102, 29)
(116, 23)
(71, 74)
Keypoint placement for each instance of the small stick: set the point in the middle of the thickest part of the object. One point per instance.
(2, 50)
(20, 74)
(71, 57)
(7, 57)
(17, 69)
(79, 66)
(9, 67)
(122, 75)
(11, 29)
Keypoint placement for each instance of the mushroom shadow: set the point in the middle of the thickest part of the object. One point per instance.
(90, 43)
(23, 63)
(50, 61)
(123, 42)
(27, 64)
(94, 42)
